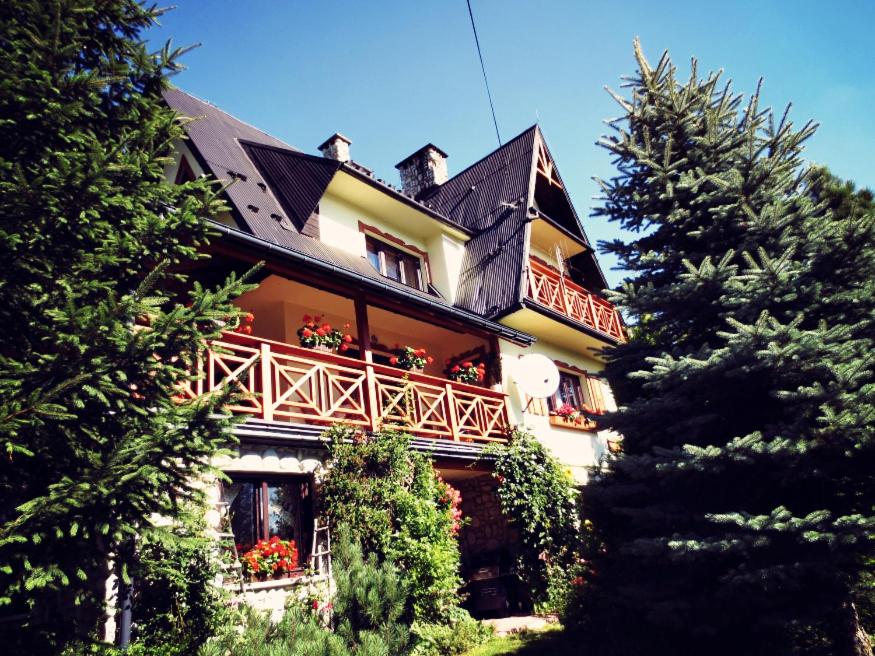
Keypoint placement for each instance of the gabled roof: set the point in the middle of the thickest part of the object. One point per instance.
(220, 142)
(492, 197)
(274, 188)
(297, 180)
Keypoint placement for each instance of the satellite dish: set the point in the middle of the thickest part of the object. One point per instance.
(536, 375)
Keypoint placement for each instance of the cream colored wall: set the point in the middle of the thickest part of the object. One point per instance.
(577, 450)
(445, 258)
(339, 224)
(339, 227)
(549, 258)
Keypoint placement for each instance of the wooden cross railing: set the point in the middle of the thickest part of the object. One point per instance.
(562, 295)
(281, 382)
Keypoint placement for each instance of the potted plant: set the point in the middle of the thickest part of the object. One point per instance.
(568, 412)
(467, 372)
(322, 336)
(270, 559)
(244, 325)
(410, 359)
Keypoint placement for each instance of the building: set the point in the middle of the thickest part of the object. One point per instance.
(482, 267)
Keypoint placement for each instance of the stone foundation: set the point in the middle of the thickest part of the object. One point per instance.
(488, 529)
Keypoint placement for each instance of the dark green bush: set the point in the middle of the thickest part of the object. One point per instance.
(456, 637)
(538, 497)
(395, 506)
(176, 604)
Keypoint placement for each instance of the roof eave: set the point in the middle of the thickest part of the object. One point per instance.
(262, 246)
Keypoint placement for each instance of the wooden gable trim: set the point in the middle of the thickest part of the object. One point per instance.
(364, 228)
(546, 167)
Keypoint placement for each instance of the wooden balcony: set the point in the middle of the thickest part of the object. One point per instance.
(281, 382)
(558, 293)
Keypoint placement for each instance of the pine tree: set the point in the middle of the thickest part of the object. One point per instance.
(94, 346)
(739, 516)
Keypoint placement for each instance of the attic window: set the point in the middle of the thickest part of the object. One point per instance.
(395, 263)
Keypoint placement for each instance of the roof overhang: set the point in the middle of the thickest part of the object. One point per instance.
(270, 251)
(550, 326)
(547, 234)
(462, 457)
(390, 205)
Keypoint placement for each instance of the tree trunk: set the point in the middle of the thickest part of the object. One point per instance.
(852, 639)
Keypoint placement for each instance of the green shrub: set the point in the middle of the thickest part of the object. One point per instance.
(176, 604)
(299, 633)
(396, 506)
(371, 600)
(539, 498)
(370, 610)
(458, 636)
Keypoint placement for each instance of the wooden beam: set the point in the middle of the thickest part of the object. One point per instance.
(364, 329)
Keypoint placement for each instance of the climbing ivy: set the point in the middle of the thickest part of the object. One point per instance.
(538, 497)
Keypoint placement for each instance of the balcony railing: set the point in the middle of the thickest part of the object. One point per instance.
(281, 382)
(561, 295)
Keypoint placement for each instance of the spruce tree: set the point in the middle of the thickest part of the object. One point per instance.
(740, 514)
(93, 348)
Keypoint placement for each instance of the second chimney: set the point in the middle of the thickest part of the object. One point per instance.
(423, 170)
(336, 147)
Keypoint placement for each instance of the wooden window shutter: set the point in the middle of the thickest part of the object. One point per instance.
(537, 406)
(597, 398)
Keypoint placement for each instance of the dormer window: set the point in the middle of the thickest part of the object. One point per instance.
(395, 263)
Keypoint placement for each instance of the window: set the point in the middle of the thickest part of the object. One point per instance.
(394, 263)
(569, 391)
(260, 508)
(579, 390)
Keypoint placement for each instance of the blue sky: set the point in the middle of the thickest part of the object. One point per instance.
(393, 76)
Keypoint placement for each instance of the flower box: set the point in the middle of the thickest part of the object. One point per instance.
(580, 423)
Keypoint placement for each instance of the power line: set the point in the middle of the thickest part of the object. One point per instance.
(483, 68)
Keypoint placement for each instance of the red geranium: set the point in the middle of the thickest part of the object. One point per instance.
(409, 358)
(467, 372)
(275, 557)
(245, 324)
(313, 334)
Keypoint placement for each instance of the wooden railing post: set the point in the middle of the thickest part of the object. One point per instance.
(374, 410)
(592, 313)
(266, 384)
(564, 295)
(451, 412)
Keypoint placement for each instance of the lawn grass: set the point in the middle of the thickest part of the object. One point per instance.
(552, 641)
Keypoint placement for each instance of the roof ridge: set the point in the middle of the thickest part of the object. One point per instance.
(232, 116)
(485, 157)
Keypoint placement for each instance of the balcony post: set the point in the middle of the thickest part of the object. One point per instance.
(365, 353)
(531, 276)
(451, 411)
(266, 384)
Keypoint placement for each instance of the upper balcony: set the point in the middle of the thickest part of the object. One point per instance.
(284, 383)
(561, 295)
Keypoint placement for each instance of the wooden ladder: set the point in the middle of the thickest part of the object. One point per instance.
(320, 554)
(232, 572)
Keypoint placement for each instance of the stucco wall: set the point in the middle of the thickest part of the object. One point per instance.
(577, 450)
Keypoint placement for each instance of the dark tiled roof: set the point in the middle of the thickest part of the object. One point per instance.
(221, 142)
(490, 197)
(297, 180)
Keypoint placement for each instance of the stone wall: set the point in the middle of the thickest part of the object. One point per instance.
(488, 529)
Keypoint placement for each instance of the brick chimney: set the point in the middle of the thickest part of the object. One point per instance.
(336, 147)
(423, 170)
